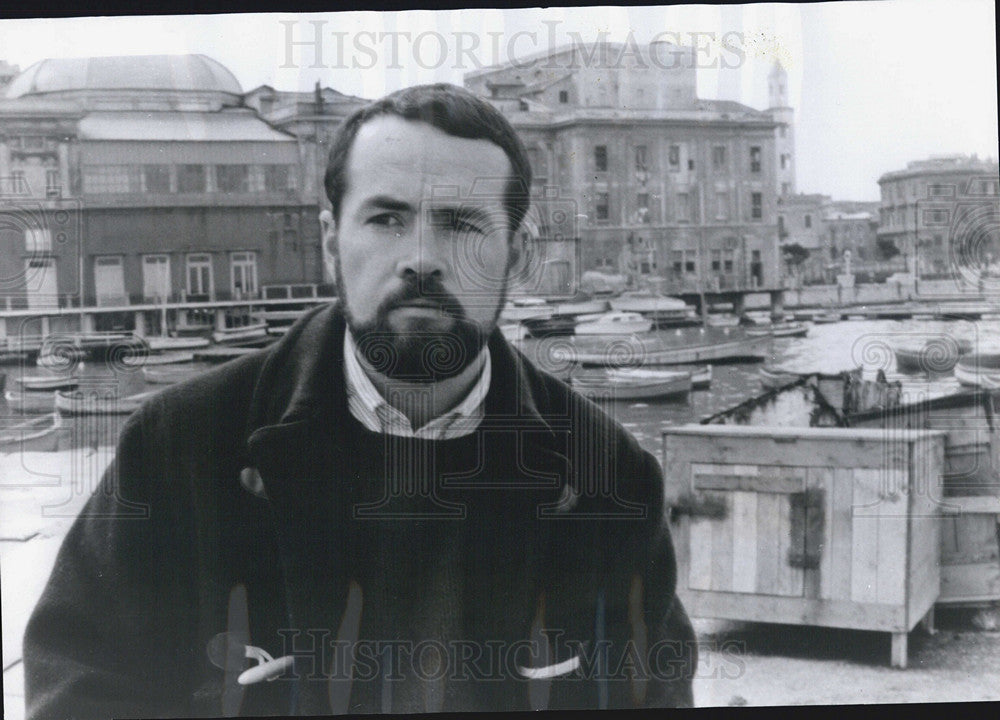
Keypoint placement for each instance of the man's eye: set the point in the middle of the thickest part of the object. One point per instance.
(386, 220)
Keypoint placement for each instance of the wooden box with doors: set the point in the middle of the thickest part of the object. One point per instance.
(835, 527)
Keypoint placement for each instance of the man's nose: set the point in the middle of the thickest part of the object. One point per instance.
(422, 256)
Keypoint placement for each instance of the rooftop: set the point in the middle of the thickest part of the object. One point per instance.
(228, 125)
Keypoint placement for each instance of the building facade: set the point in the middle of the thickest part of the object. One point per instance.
(941, 214)
(132, 180)
(666, 188)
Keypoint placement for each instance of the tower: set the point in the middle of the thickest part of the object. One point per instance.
(784, 145)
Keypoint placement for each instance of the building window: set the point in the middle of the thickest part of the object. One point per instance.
(690, 163)
(756, 206)
(190, 178)
(109, 280)
(719, 157)
(677, 258)
(716, 261)
(601, 209)
(640, 158)
(938, 241)
(682, 207)
(601, 158)
(674, 158)
(109, 179)
(232, 178)
(727, 261)
(563, 96)
(18, 183)
(781, 225)
(807, 220)
(278, 178)
(642, 208)
(37, 241)
(755, 159)
(721, 205)
(156, 179)
(690, 264)
(244, 274)
(936, 217)
(53, 187)
(784, 161)
(156, 277)
(199, 275)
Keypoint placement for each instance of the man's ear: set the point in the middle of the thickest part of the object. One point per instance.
(328, 227)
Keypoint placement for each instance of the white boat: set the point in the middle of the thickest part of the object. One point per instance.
(28, 402)
(722, 320)
(90, 403)
(779, 330)
(613, 323)
(701, 378)
(634, 384)
(979, 370)
(659, 308)
(166, 375)
(651, 351)
(522, 308)
(48, 382)
(167, 358)
(36, 435)
(243, 333)
(158, 344)
(581, 304)
(937, 355)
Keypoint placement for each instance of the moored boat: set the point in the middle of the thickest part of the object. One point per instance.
(980, 369)
(613, 323)
(580, 304)
(39, 434)
(633, 384)
(166, 358)
(157, 344)
(658, 308)
(165, 375)
(779, 330)
(75, 402)
(48, 382)
(636, 351)
(522, 308)
(28, 403)
(243, 333)
(936, 355)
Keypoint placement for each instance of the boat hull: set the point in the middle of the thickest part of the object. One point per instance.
(979, 370)
(633, 354)
(618, 387)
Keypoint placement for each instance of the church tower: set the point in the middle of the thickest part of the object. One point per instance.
(777, 94)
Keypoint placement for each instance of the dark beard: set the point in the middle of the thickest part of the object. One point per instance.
(418, 356)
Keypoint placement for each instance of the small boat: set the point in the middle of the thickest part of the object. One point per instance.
(166, 375)
(826, 317)
(158, 344)
(648, 302)
(701, 378)
(636, 351)
(633, 384)
(979, 370)
(90, 403)
(613, 323)
(166, 358)
(522, 308)
(48, 382)
(772, 377)
(553, 325)
(581, 304)
(243, 333)
(39, 434)
(937, 355)
(28, 403)
(779, 330)
(722, 320)
(61, 359)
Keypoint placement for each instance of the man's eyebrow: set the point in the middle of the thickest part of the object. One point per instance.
(387, 202)
(475, 213)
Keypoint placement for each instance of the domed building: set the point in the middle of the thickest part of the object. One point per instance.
(144, 180)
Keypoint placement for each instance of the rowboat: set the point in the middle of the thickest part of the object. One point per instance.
(554, 325)
(613, 323)
(636, 351)
(254, 331)
(937, 355)
(167, 358)
(580, 304)
(979, 370)
(651, 304)
(38, 434)
(48, 382)
(91, 403)
(633, 384)
(157, 344)
(27, 403)
(722, 320)
(701, 378)
(522, 308)
(779, 330)
(165, 375)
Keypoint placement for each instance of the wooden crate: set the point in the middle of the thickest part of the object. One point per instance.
(809, 526)
(970, 548)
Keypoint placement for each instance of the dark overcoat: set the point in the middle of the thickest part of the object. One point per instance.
(220, 526)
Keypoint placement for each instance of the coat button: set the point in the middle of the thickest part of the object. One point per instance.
(252, 482)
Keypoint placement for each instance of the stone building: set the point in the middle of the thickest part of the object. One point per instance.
(665, 187)
(941, 214)
(129, 180)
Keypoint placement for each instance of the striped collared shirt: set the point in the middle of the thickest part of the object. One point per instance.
(370, 409)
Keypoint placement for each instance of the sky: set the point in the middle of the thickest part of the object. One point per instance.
(874, 85)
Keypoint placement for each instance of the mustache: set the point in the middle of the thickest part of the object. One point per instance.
(425, 289)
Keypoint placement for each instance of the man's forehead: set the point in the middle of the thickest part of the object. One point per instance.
(411, 147)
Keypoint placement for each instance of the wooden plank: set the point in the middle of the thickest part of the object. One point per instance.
(864, 536)
(722, 548)
(796, 611)
(818, 526)
(745, 541)
(985, 504)
(841, 534)
(790, 579)
(823, 478)
(767, 542)
(700, 553)
(971, 582)
(892, 540)
(750, 483)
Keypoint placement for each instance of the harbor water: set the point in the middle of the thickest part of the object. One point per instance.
(828, 348)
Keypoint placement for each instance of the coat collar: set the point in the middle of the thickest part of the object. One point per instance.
(302, 382)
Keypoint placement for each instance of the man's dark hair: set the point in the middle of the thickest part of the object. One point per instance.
(453, 110)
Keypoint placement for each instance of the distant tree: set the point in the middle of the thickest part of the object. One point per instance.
(886, 248)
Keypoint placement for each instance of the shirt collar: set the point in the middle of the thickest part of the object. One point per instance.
(369, 408)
